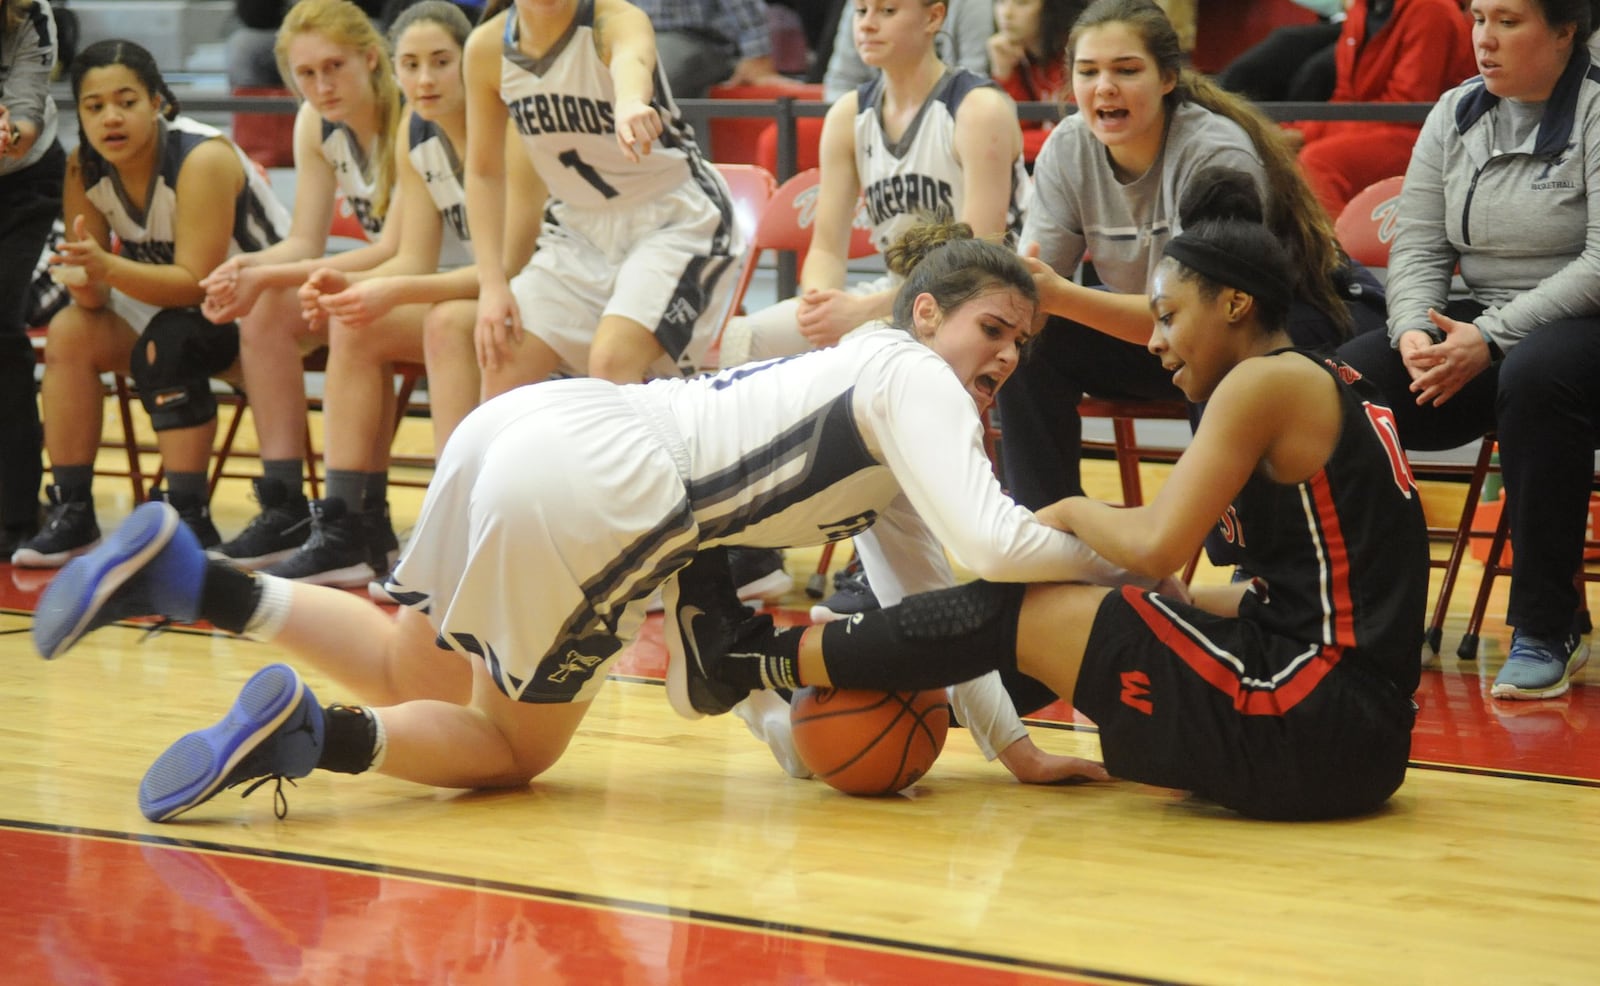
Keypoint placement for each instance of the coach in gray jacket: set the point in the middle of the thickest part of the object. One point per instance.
(1505, 182)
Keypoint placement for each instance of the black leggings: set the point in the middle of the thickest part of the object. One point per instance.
(30, 200)
(1543, 399)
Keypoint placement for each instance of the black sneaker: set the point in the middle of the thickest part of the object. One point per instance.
(345, 549)
(195, 514)
(13, 537)
(277, 531)
(851, 595)
(69, 530)
(758, 573)
(702, 611)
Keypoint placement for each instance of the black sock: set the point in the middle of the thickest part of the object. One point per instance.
(349, 739)
(762, 656)
(930, 640)
(229, 596)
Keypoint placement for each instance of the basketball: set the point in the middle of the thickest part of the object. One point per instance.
(869, 743)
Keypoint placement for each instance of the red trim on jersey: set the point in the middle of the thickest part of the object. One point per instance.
(1337, 553)
(1272, 701)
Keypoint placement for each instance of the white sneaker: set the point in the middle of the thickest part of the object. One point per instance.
(766, 715)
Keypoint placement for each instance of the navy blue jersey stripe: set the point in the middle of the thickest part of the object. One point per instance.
(625, 578)
(741, 496)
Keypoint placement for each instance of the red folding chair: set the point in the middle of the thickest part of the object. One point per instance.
(752, 187)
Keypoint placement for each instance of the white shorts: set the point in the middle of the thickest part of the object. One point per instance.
(555, 511)
(775, 331)
(136, 313)
(670, 266)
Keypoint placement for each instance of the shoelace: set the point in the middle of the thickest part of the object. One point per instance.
(158, 627)
(280, 801)
(58, 517)
(852, 578)
(263, 520)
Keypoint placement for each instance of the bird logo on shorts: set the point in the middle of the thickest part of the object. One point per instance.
(575, 663)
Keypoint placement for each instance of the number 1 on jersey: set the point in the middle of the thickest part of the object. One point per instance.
(586, 171)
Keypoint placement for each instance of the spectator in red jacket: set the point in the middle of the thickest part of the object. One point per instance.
(1028, 57)
(1389, 51)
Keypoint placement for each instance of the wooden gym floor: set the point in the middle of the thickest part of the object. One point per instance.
(662, 851)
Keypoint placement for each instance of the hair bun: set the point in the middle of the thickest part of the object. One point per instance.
(916, 243)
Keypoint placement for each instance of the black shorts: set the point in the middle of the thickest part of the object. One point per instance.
(1262, 724)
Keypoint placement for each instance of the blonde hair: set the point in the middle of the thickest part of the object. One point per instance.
(346, 25)
(1293, 212)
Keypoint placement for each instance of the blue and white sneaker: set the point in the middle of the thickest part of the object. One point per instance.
(1538, 667)
(150, 566)
(273, 732)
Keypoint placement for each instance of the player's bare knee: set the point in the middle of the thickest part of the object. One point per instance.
(70, 337)
(618, 365)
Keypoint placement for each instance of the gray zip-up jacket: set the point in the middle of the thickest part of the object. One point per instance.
(1523, 222)
(27, 56)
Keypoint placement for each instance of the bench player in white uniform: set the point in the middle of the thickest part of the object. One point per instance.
(380, 315)
(344, 137)
(558, 508)
(922, 140)
(633, 275)
(179, 196)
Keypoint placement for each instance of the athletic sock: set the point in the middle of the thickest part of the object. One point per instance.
(376, 489)
(189, 487)
(73, 477)
(242, 602)
(352, 739)
(348, 486)
(288, 473)
(762, 656)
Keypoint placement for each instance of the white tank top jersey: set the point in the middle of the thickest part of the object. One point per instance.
(353, 173)
(812, 448)
(563, 106)
(917, 177)
(148, 235)
(440, 167)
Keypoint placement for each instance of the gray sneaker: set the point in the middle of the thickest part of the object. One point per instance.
(1538, 667)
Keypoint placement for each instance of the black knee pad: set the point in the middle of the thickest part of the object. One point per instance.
(973, 608)
(173, 363)
(930, 640)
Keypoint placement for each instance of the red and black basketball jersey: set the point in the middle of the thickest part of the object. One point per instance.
(1342, 558)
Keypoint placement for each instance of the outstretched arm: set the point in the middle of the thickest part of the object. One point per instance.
(1279, 414)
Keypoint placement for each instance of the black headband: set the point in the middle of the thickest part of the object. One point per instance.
(1228, 269)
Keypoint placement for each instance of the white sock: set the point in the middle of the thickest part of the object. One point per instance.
(766, 715)
(272, 612)
(380, 742)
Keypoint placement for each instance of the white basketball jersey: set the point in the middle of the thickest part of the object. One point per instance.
(149, 235)
(917, 177)
(353, 173)
(440, 167)
(562, 105)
